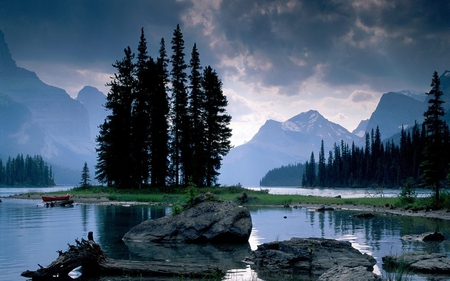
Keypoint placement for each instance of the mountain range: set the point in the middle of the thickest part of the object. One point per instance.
(293, 141)
(39, 119)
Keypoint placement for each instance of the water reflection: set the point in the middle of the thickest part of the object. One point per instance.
(32, 234)
(226, 257)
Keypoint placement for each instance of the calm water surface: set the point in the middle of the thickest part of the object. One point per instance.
(31, 234)
(343, 192)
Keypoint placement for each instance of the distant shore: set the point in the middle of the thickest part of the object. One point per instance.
(103, 199)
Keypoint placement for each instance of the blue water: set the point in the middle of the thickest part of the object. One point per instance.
(31, 234)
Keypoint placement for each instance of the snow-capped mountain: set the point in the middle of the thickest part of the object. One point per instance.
(282, 143)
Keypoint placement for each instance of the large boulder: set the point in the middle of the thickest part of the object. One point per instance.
(207, 221)
(313, 256)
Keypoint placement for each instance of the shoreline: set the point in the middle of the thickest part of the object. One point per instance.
(103, 200)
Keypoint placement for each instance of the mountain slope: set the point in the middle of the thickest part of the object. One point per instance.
(93, 100)
(18, 131)
(281, 143)
(394, 111)
(56, 125)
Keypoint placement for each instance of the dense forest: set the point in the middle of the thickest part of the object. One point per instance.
(377, 164)
(290, 175)
(26, 171)
(420, 156)
(166, 128)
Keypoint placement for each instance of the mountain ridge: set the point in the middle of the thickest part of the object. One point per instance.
(49, 123)
(281, 143)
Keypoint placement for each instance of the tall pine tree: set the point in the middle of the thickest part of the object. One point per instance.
(160, 128)
(141, 121)
(180, 122)
(197, 117)
(321, 173)
(217, 131)
(435, 159)
(114, 140)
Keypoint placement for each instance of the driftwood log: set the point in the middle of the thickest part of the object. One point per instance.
(94, 263)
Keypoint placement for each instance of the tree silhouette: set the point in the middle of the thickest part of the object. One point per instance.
(85, 177)
(435, 156)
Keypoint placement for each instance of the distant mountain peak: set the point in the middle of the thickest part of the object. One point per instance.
(282, 143)
(6, 60)
(360, 131)
(303, 122)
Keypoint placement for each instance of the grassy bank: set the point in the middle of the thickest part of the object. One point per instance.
(233, 193)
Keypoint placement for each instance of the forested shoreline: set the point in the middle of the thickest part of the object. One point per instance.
(377, 164)
(420, 158)
(26, 171)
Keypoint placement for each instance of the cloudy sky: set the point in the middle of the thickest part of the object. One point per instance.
(276, 58)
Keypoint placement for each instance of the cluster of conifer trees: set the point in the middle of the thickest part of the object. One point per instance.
(421, 156)
(377, 164)
(165, 129)
(26, 171)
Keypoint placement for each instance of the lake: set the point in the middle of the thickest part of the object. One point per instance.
(31, 234)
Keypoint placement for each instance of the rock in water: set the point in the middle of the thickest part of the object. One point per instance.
(425, 237)
(209, 221)
(312, 256)
(433, 263)
(341, 273)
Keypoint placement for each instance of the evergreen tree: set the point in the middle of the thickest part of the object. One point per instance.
(321, 173)
(114, 159)
(141, 118)
(435, 161)
(160, 127)
(85, 177)
(217, 131)
(311, 177)
(180, 122)
(197, 117)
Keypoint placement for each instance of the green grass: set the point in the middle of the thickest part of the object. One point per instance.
(229, 193)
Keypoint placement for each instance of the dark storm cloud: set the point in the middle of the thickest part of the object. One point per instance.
(84, 32)
(387, 45)
(398, 42)
(293, 37)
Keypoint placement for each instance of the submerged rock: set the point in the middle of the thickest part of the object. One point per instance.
(363, 216)
(313, 256)
(425, 237)
(324, 208)
(207, 221)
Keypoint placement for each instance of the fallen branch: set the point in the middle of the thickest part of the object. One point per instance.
(94, 262)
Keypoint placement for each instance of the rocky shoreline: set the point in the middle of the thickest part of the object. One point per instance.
(435, 214)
